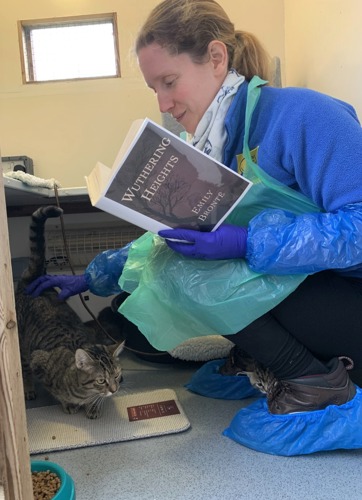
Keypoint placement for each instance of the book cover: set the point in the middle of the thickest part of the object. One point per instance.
(159, 181)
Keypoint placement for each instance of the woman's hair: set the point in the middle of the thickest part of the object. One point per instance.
(188, 26)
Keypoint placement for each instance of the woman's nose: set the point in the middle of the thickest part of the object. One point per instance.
(165, 104)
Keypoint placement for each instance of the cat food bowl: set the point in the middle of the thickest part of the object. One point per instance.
(67, 489)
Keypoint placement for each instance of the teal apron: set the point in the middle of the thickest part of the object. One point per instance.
(174, 298)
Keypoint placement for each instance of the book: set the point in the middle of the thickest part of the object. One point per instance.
(159, 181)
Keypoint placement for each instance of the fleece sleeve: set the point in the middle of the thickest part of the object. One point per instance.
(280, 242)
(103, 273)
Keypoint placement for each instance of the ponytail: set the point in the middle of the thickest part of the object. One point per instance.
(250, 57)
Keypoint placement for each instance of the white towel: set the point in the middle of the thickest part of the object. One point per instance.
(32, 180)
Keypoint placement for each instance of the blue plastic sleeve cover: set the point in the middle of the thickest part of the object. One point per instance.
(281, 242)
(102, 274)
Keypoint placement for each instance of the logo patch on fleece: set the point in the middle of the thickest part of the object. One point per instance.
(242, 161)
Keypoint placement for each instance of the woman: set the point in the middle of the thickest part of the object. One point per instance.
(199, 69)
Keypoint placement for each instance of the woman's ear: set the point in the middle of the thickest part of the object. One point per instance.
(218, 56)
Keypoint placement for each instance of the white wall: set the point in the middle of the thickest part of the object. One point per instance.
(323, 40)
(67, 127)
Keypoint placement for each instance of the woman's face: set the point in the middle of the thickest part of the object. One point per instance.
(183, 88)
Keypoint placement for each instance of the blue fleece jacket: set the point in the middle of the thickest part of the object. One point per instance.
(312, 143)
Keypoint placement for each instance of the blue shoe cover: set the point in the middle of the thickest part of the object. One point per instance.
(207, 381)
(334, 428)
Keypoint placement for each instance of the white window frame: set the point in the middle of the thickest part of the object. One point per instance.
(26, 49)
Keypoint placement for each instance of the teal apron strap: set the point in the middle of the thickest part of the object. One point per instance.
(251, 102)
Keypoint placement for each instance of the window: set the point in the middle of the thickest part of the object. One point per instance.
(69, 48)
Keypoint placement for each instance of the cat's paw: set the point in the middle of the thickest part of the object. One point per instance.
(70, 408)
(92, 412)
(30, 395)
(29, 389)
(93, 415)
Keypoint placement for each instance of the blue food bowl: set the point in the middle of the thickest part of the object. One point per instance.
(67, 489)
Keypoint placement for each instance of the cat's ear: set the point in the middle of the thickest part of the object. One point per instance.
(117, 349)
(82, 360)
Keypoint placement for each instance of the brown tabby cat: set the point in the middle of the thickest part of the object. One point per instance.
(55, 345)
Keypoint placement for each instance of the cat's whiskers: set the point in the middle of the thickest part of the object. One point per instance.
(90, 399)
(124, 389)
(96, 406)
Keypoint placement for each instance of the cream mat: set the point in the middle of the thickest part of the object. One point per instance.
(134, 416)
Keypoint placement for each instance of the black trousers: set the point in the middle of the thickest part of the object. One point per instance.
(320, 320)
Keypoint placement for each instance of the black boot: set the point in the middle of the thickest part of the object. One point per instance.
(311, 392)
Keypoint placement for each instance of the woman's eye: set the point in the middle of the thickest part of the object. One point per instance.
(169, 83)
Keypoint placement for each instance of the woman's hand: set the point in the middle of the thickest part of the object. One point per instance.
(69, 285)
(226, 242)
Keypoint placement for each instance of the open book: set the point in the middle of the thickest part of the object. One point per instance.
(159, 181)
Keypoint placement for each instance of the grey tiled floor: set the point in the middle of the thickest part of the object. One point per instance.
(201, 463)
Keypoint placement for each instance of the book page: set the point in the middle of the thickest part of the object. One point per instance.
(97, 181)
(132, 134)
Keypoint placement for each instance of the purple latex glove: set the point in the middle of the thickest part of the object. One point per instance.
(226, 242)
(69, 285)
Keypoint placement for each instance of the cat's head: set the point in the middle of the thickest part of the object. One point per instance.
(99, 368)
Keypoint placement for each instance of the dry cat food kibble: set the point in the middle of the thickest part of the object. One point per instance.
(45, 484)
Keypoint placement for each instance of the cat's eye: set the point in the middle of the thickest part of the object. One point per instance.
(101, 381)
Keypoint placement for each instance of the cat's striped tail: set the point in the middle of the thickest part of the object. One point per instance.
(36, 263)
